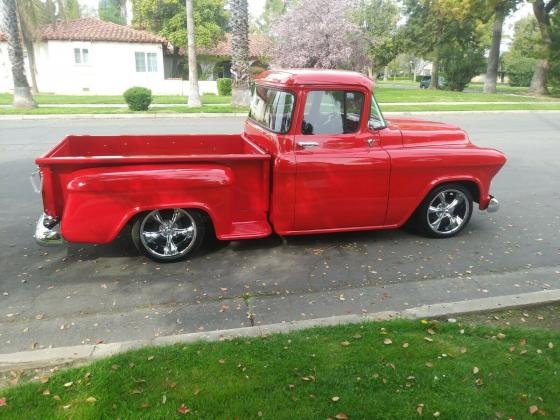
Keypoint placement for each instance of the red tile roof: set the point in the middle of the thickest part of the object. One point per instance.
(259, 46)
(92, 29)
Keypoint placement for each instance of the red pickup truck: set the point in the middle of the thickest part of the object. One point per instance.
(316, 156)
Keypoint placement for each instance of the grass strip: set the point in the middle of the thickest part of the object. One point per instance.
(396, 369)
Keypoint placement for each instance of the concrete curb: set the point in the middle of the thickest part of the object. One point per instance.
(237, 114)
(88, 353)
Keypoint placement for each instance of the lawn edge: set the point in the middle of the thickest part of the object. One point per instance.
(88, 353)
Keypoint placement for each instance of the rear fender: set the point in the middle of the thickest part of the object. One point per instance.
(102, 200)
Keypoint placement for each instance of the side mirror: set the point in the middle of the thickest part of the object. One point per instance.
(375, 124)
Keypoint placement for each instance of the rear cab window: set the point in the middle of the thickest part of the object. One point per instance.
(272, 108)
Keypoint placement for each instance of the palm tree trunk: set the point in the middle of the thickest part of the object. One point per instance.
(241, 94)
(22, 92)
(28, 41)
(194, 93)
(494, 54)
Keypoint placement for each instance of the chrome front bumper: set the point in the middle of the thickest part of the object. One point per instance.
(47, 232)
(493, 205)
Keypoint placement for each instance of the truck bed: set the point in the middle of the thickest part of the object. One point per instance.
(149, 171)
(128, 149)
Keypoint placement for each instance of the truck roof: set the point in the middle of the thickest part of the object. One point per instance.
(292, 77)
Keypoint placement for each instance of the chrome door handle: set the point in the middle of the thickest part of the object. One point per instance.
(372, 142)
(307, 144)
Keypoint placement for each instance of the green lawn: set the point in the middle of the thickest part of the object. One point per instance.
(46, 110)
(385, 94)
(399, 369)
(47, 99)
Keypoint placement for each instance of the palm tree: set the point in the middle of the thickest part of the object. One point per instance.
(194, 94)
(22, 92)
(241, 94)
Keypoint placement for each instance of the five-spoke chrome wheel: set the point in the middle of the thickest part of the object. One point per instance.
(446, 211)
(168, 234)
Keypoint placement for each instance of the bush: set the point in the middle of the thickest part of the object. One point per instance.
(138, 98)
(459, 65)
(224, 87)
(519, 69)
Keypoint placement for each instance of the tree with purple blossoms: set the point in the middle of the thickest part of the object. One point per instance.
(317, 33)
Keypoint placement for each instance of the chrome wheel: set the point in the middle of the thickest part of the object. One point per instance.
(448, 212)
(168, 234)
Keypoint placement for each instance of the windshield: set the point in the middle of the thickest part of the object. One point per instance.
(272, 109)
(375, 117)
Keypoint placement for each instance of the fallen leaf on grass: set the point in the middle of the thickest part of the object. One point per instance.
(430, 331)
(533, 409)
(150, 358)
(66, 407)
(44, 379)
(91, 400)
(345, 343)
(522, 342)
(68, 384)
(136, 391)
(164, 399)
(56, 398)
(405, 345)
(475, 370)
(387, 341)
(429, 365)
(341, 416)
(500, 336)
(46, 392)
(221, 361)
(3, 402)
(183, 409)
(428, 339)
(479, 382)
(419, 409)
(550, 345)
(335, 398)
(144, 405)
(436, 414)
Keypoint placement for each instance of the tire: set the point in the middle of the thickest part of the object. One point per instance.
(169, 235)
(445, 211)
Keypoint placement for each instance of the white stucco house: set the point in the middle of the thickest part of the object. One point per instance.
(90, 56)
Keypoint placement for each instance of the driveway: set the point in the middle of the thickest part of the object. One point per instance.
(86, 294)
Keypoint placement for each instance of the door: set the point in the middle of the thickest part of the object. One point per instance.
(342, 175)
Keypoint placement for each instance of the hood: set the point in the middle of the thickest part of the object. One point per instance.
(418, 132)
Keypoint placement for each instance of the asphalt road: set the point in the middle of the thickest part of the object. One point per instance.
(83, 294)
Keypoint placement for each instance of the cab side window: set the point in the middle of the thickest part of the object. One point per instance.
(332, 112)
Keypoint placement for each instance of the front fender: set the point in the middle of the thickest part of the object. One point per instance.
(100, 201)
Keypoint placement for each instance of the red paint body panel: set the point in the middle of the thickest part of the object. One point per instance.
(259, 181)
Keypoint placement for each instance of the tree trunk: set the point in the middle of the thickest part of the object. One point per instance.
(494, 54)
(435, 70)
(32, 64)
(241, 95)
(22, 93)
(194, 93)
(386, 73)
(539, 82)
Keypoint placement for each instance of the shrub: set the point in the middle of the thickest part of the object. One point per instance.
(138, 98)
(459, 65)
(224, 86)
(519, 69)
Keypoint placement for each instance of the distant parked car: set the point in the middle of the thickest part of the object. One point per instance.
(425, 82)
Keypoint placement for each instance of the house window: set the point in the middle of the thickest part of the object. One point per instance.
(81, 56)
(145, 62)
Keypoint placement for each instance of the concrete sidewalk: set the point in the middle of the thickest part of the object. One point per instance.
(283, 313)
(449, 103)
